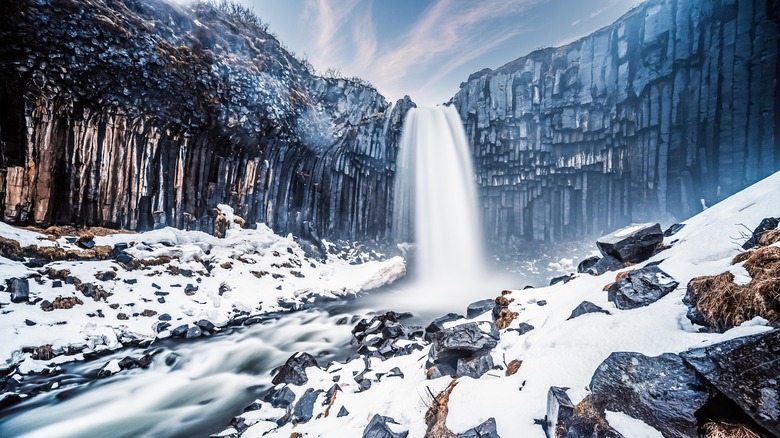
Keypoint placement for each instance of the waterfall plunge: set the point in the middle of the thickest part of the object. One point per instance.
(436, 200)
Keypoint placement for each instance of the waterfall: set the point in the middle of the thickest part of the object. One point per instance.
(435, 197)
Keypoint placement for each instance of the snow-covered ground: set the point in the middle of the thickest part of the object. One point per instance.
(188, 275)
(557, 352)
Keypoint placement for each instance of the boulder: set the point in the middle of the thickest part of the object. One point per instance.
(605, 264)
(304, 409)
(561, 279)
(484, 430)
(640, 288)
(479, 307)
(746, 371)
(343, 412)
(522, 329)
(660, 391)
(586, 264)
(586, 307)
(180, 330)
(633, 244)
(19, 289)
(280, 398)
(438, 325)
(462, 349)
(376, 337)
(560, 411)
(293, 372)
(379, 427)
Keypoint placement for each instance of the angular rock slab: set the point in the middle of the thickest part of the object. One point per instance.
(20, 290)
(560, 411)
(642, 287)
(634, 243)
(605, 264)
(464, 348)
(484, 430)
(479, 307)
(587, 264)
(378, 428)
(293, 371)
(586, 307)
(661, 391)
(747, 371)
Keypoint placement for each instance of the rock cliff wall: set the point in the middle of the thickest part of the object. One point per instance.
(674, 103)
(143, 113)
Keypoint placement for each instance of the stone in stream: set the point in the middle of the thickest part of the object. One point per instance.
(746, 371)
(641, 287)
(632, 244)
(379, 427)
(193, 332)
(19, 289)
(293, 371)
(661, 391)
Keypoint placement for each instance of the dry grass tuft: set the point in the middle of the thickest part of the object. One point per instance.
(621, 276)
(226, 265)
(436, 416)
(66, 302)
(505, 317)
(513, 367)
(724, 304)
(769, 237)
(592, 415)
(331, 401)
(727, 430)
(741, 257)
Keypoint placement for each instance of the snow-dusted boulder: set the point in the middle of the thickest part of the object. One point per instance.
(633, 244)
(641, 287)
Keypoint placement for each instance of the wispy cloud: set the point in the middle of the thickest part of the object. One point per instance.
(364, 39)
(328, 18)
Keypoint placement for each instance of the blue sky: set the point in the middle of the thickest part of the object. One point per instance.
(426, 48)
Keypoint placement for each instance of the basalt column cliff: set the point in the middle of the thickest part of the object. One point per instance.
(142, 113)
(674, 105)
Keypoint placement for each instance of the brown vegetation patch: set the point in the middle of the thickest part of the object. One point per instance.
(331, 401)
(741, 257)
(621, 276)
(259, 274)
(148, 313)
(769, 237)
(724, 304)
(592, 415)
(11, 249)
(513, 367)
(44, 352)
(55, 232)
(502, 301)
(226, 265)
(505, 317)
(436, 416)
(607, 286)
(66, 302)
(727, 430)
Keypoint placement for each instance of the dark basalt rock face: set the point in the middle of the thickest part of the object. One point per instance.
(746, 371)
(641, 287)
(632, 244)
(146, 113)
(674, 103)
(293, 372)
(462, 350)
(661, 391)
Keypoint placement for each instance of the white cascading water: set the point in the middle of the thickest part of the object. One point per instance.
(436, 200)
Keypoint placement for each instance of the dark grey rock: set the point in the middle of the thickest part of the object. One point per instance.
(632, 244)
(766, 224)
(56, 283)
(438, 325)
(190, 288)
(180, 330)
(280, 398)
(746, 371)
(85, 242)
(560, 411)
(479, 307)
(660, 391)
(304, 409)
(522, 329)
(475, 365)
(378, 428)
(586, 307)
(586, 264)
(541, 303)
(293, 372)
(343, 412)
(562, 279)
(642, 287)
(605, 264)
(462, 349)
(674, 229)
(206, 325)
(19, 289)
(484, 430)
(193, 332)
(164, 317)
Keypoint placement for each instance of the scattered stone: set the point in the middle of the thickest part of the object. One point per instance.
(280, 398)
(541, 303)
(148, 313)
(766, 224)
(562, 279)
(164, 317)
(379, 427)
(86, 241)
(586, 307)
(130, 280)
(293, 372)
(746, 371)
(122, 316)
(478, 308)
(56, 283)
(304, 409)
(46, 306)
(193, 332)
(190, 289)
(522, 329)
(206, 325)
(19, 289)
(464, 348)
(180, 330)
(343, 412)
(377, 337)
(484, 430)
(438, 325)
(29, 323)
(660, 391)
(640, 288)
(588, 263)
(105, 275)
(674, 229)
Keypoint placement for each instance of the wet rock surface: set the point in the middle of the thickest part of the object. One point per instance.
(746, 371)
(632, 244)
(293, 371)
(641, 287)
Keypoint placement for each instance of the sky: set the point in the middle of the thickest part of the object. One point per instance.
(426, 48)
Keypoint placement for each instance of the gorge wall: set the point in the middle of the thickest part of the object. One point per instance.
(142, 113)
(674, 103)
